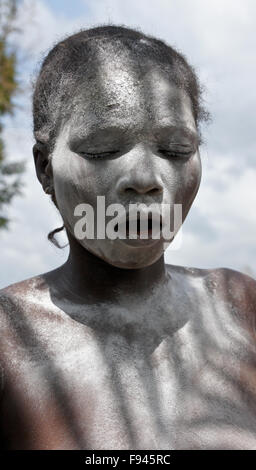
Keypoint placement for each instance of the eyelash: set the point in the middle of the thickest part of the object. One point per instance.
(166, 153)
(98, 155)
(172, 154)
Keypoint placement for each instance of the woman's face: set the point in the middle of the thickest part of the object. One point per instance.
(131, 138)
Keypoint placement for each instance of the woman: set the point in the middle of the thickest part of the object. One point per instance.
(115, 349)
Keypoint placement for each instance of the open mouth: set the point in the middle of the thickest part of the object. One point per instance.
(140, 227)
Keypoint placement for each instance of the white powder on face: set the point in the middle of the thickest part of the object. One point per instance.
(116, 99)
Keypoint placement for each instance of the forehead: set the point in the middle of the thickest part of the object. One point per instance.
(118, 92)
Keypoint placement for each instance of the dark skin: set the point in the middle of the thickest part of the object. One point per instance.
(144, 355)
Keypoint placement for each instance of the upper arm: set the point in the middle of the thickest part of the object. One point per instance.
(8, 340)
(3, 362)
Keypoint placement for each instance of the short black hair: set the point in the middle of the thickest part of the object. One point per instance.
(68, 60)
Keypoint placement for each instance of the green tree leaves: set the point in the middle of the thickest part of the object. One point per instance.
(10, 183)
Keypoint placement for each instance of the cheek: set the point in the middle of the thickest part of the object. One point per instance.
(74, 180)
(193, 175)
(78, 181)
(189, 182)
(69, 175)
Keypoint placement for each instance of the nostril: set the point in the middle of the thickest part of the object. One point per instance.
(150, 191)
(154, 191)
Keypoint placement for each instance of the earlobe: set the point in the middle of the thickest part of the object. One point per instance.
(43, 167)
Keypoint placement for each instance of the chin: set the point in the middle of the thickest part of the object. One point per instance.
(134, 264)
(120, 255)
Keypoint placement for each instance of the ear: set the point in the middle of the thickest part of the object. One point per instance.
(43, 167)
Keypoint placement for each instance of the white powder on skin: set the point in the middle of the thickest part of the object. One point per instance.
(171, 368)
(129, 114)
(167, 381)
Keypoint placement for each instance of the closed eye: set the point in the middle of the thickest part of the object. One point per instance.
(175, 153)
(99, 154)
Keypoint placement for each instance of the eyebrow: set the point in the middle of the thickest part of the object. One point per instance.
(173, 130)
(98, 131)
(164, 131)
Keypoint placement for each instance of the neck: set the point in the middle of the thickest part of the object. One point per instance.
(86, 276)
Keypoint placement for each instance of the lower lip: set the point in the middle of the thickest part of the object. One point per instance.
(140, 241)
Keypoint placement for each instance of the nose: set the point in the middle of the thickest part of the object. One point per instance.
(140, 174)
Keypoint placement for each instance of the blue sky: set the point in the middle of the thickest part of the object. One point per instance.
(219, 40)
(67, 8)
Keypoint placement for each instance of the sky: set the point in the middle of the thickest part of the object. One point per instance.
(219, 40)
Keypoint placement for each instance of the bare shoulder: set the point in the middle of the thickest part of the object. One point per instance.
(226, 282)
(236, 289)
(21, 291)
(19, 296)
(19, 288)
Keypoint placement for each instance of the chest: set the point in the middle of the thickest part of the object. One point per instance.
(83, 390)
